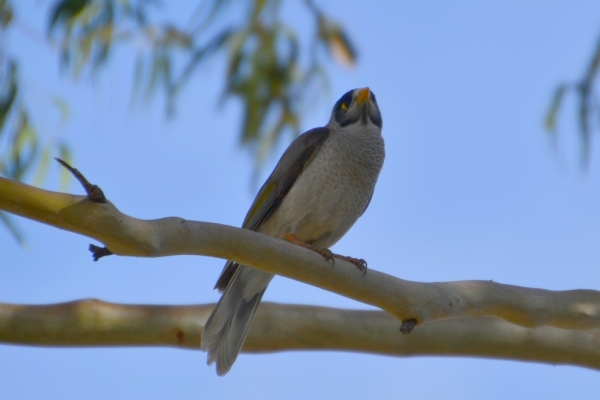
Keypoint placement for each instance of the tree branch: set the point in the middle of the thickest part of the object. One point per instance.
(424, 302)
(280, 327)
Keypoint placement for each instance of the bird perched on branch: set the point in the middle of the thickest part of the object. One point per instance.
(322, 184)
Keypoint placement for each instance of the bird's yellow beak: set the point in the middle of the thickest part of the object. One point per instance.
(364, 95)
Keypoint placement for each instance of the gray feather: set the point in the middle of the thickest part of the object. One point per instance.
(293, 161)
(227, 327)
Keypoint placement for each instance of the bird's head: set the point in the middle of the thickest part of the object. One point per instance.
(357, 106)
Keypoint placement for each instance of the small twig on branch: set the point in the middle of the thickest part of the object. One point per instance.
(407, 326)
(99, 252)
(94, 193)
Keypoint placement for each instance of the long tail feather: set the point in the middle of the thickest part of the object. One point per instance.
(227, 327)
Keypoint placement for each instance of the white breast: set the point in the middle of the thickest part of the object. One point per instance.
(334, 189)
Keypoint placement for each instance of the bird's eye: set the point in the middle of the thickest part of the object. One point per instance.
(344, 102)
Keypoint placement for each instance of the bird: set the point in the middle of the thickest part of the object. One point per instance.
(322, 184)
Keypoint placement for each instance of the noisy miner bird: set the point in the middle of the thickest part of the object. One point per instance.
(321, 185)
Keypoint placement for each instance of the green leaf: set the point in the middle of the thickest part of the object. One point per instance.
(42, 168)
(65, 10)
(138, 78)
(8, 93)
(339, 44)
(24, 147)
(551, 115)
(342, 49)
(63, 108)
(6, 220)
(6, 14)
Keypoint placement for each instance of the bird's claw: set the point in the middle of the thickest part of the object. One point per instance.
(360, 263)
(327, 255)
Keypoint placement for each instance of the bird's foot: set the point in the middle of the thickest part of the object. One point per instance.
(360, 263)
(327, 254)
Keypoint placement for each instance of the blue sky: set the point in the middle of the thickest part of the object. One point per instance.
(472, 188)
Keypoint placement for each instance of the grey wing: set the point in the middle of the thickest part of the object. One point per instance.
(293, 161)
